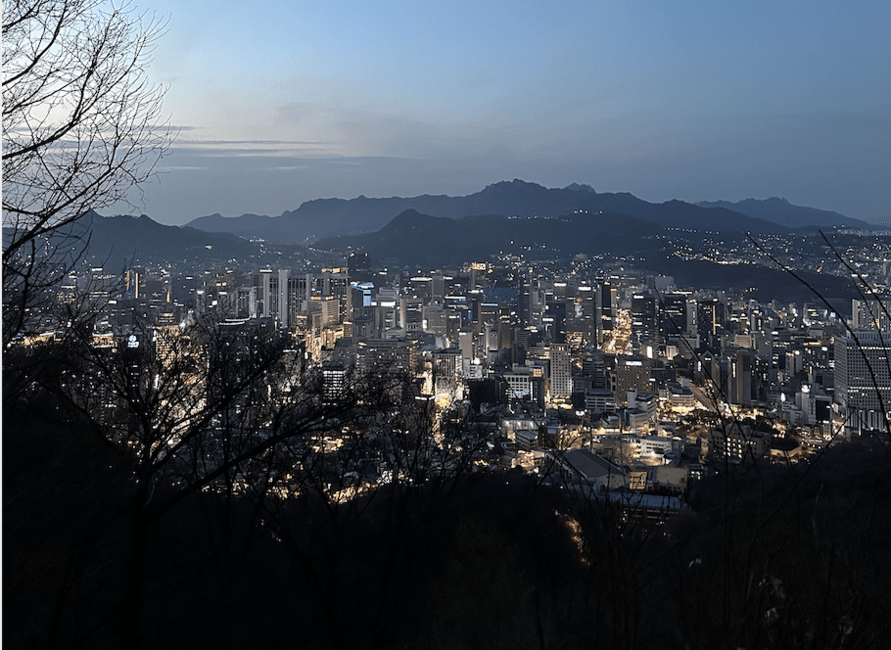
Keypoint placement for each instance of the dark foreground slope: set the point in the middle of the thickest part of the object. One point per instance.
(774, 558)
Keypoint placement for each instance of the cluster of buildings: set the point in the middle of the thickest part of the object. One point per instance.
(630, 376)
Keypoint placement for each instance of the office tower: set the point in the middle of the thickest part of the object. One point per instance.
(710, 317)
(334, 283)
(330, 311)
(478, 273)
(281, 311)
(334, 381)
(439, 286)
(265, 279)
(411, 317)
(561, 371)
(488, 312)
(446, 370)
(246, 306)
(863, 379)
(607, 309)
(631, 373)
(676, 316)
(420, 287)
(644, 335)
(299, 295)
(272, 298)
(741, 380)
(360, 299)
(523, 298)
(435, 319)
(359, 267)
(389, 354)
(581, 313)
(871, 314)
(554, 321)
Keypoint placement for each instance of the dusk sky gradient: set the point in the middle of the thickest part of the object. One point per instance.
(283, 102)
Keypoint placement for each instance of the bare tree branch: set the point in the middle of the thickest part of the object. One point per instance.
(81, 122)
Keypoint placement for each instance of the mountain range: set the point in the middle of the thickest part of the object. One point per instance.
(322, 218)
(780, 211)
(508, 217)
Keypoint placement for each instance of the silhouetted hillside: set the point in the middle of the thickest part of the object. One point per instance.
(765, 283)
(123, 240)
(323, 218)
(780, 211)
(415, 238)
(247, 225)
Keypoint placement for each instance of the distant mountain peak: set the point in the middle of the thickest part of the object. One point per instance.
(514, 184)
(580, 187)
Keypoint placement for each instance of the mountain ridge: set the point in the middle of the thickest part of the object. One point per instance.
(321, 218)
(780, 210)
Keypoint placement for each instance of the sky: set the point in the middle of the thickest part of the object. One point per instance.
(277, 103)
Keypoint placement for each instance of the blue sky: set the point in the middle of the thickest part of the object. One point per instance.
(283, 102)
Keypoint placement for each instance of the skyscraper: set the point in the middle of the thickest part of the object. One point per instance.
(863, 379)
(607, 310)
(644, 335)
(871, 315)
(561, 371)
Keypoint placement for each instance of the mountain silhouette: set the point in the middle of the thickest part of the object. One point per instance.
(780, 211)
(321, 218)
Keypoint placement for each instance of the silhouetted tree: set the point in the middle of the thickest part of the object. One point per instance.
(80, 130)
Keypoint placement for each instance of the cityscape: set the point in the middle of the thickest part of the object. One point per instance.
(523, 416)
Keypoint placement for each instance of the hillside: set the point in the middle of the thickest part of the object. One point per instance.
(125, 240)
(414, 238)
(782, 212)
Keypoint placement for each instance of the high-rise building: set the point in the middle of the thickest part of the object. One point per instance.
(335, 283)
(361, 294)
(631, 374)
(607, 309)
(871, 314)
(710, 317)
(561, 371)
(554, 321)
(263, 281)
(644, 333)
(676, 316)
(581, 314)
(359, 267)
(299, 293)
(387, 354)
(281, 310)
(334, 381)
(863, 379)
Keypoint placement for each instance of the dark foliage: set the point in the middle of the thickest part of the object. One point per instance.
(774, 559)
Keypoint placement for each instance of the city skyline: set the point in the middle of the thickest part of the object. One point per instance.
(289, 104)
(543, 413)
